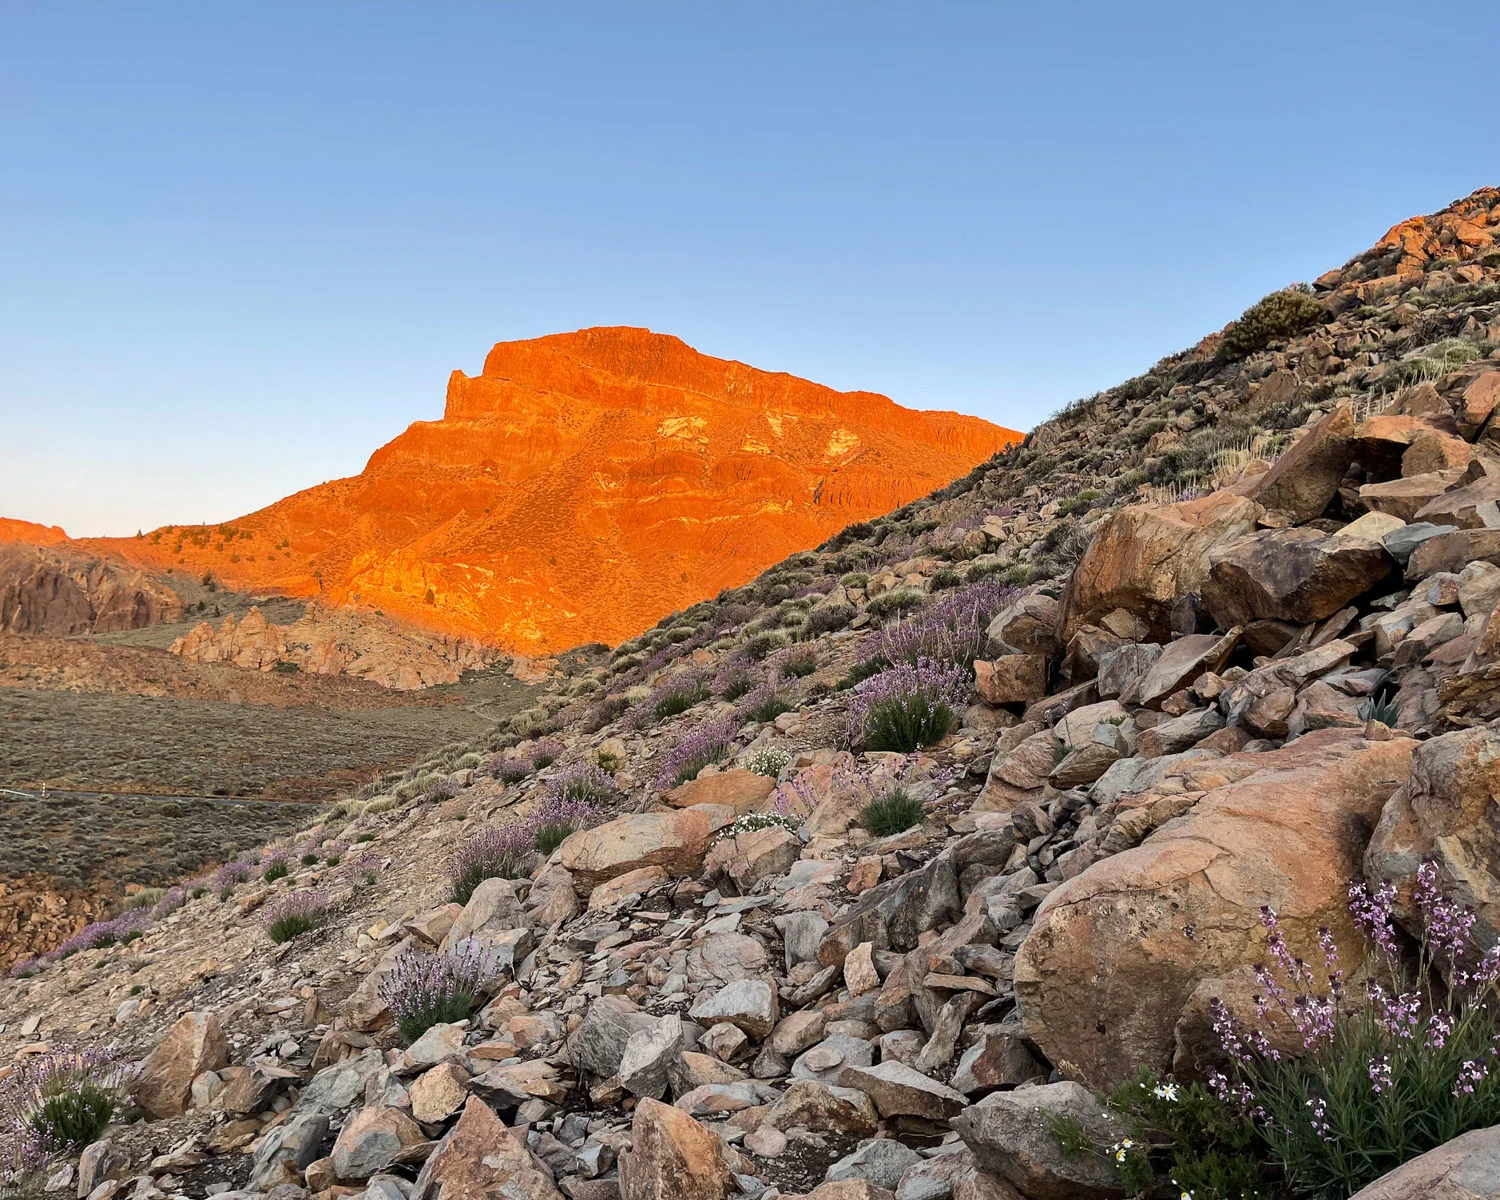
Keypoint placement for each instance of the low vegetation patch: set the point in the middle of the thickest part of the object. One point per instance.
(423, 990)
(906, 707)
(294, 915)
(493, 853)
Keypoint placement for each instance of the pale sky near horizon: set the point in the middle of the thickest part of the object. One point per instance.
(243, 244)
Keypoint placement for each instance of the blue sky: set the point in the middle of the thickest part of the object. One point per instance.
(244, 243)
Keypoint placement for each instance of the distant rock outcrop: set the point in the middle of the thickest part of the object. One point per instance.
(52, 590)
(580, 488)
(336, 642)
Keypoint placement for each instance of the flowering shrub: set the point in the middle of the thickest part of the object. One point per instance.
(582, 783)
(334, 852)
(557, 818)
(672, 696)
(28, 967)
(439, 790)
(124, 928)
(750, 822)
(709, 743)
(223, 881)
(509, 768)
(768, 761)
(363, 869)
(66, 1098)
(951, 630)
(423, 990)
(293, 915)
(764, 704)
(545, 753)
(274, 866)
(1190, 1135)
(171, 900)
(907, 706)
(736, 678)
(503, 853)
(1387, 1071)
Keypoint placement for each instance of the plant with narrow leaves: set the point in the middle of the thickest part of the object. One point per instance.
(423, 989)
(493, 853)
(736, 679)
(274, 866)
(509, 768)
(673, 696)
(764, 704)
(545, 753)
(952, 629)
(1382, 708)
(222, 882)
(67, 1096)
(363, 869)
(582, 783)
(293, 915)
(128, 926)
(796, 663)
(709, 743)
(1379, 1074)
(906, 706)
(558, 818)
(893, 812)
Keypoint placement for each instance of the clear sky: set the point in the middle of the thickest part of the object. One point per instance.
(243, 244)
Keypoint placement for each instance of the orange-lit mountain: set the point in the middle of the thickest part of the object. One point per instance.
(581, 487)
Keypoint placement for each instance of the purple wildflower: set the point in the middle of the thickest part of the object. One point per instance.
(294, 914)
(1380, 1073)
(363, 869)
(423, 990)
(582, 783)
(905, 707)
(224, 879)
(171, 901)
(493, 853)
(1469, 1074)
(1372, 913)
(128, 925)
(950, 630)
(709, 743)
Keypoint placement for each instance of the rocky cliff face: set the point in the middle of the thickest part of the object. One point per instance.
(52, 590)
(582, 486)
(334, 642)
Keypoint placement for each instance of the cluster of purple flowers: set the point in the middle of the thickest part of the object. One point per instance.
(172, 899)
(503, 852)
(223, 881)
(362, 870)
(949, 630)
(908, 705)
(129, 924)
(423, 990)
(673, 695)
(765, 703)
(440, 789)
(709, 743)
(546, 752)
(294, 913)
(54, 1104)
(509, 768)
(736, 678)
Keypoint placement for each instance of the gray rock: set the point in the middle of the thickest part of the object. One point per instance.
(747, 1004)
(1011, 1135)
(649, 1057)
(1467, 1168)
(598, 1044)
(824, 1061)
(881, 1161)
(342, 1085)
(286, 1150)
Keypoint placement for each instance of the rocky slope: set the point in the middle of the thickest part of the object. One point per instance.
(1234, 642)
(582, 486)
(53, 589)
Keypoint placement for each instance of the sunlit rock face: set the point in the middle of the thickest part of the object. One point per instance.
(583, 486)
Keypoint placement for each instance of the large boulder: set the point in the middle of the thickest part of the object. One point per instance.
(1013, 1136)
(742, 790)
(1146, 558)
(483, 1158)
(1296, 575)
(672, 1157)
(676, 841)
(195, 1044)
(1446, 811)
(1183, 908)
(599, 1042)
(371, 1140)
(1467, 1168)
(1305, 478)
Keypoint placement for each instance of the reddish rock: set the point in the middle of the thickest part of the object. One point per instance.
(193, 1045)
(581, 487)
(1011, 679)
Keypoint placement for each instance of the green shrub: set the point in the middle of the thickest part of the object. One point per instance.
(892, 813)
(277, 869)
(895, 602)
(827, 618)
(765, 704)
(798, 663)
(762, 645)
(1274, 318)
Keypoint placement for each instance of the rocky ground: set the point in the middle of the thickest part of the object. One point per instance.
(1274, 672)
